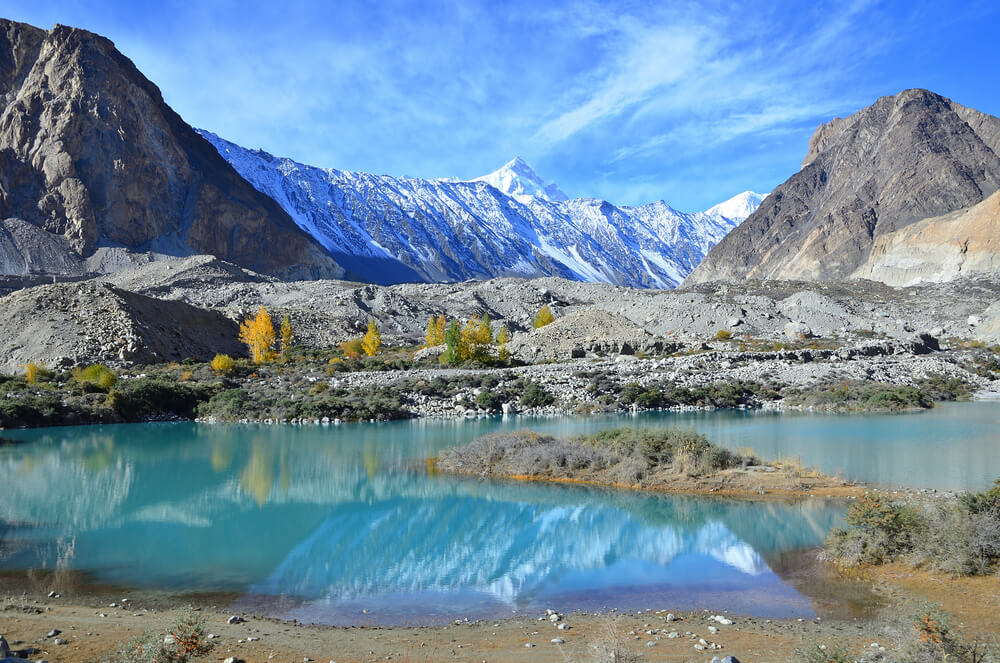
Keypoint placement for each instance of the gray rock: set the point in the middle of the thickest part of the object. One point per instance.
(798, 330)
(557, 641)
(4, 648)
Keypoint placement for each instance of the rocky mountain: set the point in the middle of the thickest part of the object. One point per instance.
(91, 158)
(865, 181)
(940, 248)
(508, 223)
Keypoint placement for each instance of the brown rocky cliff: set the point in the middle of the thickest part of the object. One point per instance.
(906, 157)
(90, 151)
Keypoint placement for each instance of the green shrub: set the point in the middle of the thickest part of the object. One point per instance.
(491, 401)
(98, 376)
(229, 404)
(534, 395)
(151, 397)
(958, 537)
(30, 410)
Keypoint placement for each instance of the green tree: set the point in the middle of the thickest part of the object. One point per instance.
(452, 342)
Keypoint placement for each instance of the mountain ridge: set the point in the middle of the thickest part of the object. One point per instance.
(453, 230)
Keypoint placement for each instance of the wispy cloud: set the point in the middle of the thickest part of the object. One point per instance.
(630, 100)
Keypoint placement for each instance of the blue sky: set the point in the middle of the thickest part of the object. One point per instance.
(628, 101)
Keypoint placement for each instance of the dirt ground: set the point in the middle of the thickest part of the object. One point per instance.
(92, 629)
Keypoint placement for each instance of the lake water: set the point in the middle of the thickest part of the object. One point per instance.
(345, 524)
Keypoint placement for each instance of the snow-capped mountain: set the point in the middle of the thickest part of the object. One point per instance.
(508, 223)
(519, 180)
(739, 206)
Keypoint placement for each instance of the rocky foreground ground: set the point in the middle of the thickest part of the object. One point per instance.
(119, 318)
(848, 346)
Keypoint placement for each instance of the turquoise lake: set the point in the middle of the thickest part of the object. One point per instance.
(345, 524)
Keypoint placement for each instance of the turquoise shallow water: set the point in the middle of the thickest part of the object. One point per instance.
(326, 523)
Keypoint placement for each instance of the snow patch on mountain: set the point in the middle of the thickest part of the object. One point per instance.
(508, 223)
(516, 178)
(739, 206)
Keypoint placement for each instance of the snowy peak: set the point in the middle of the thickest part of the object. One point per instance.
(516, 178)
(739, 206)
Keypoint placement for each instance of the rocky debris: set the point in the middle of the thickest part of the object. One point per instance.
(587, 331)
(591, 319)
(92, 156)
(898, 362)
(326, 313)
(67, 324)
(905, 158)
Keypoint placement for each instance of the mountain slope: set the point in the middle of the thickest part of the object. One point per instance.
(91, 155)
(906, 157)
(940, 248)
(508, 223)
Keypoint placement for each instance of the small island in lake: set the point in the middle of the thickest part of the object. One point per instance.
(664, 460)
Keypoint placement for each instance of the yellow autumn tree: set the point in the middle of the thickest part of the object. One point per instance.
(503, 338)
(222, 364)
(543, 317)
(372, 340)
(476, 339)
(287, 338)
(435, 331)
(32, 372)
(257, 333)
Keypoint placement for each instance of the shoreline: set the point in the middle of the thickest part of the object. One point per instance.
(90, 628)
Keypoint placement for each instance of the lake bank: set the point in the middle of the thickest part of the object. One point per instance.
(92, 629)
(317, 387)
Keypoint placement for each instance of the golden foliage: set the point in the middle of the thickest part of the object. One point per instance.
(435, 331)
(372, 340)
(33, 371)
(543, 317)
(503, 338)
(476, 339)
(258, 335)
(287, 336)
(222, 364)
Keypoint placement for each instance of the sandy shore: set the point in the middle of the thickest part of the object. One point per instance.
(92, 628)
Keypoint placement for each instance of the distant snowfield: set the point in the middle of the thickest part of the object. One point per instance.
(508, 223)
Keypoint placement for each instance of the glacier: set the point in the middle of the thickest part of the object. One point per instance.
(387, 229)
